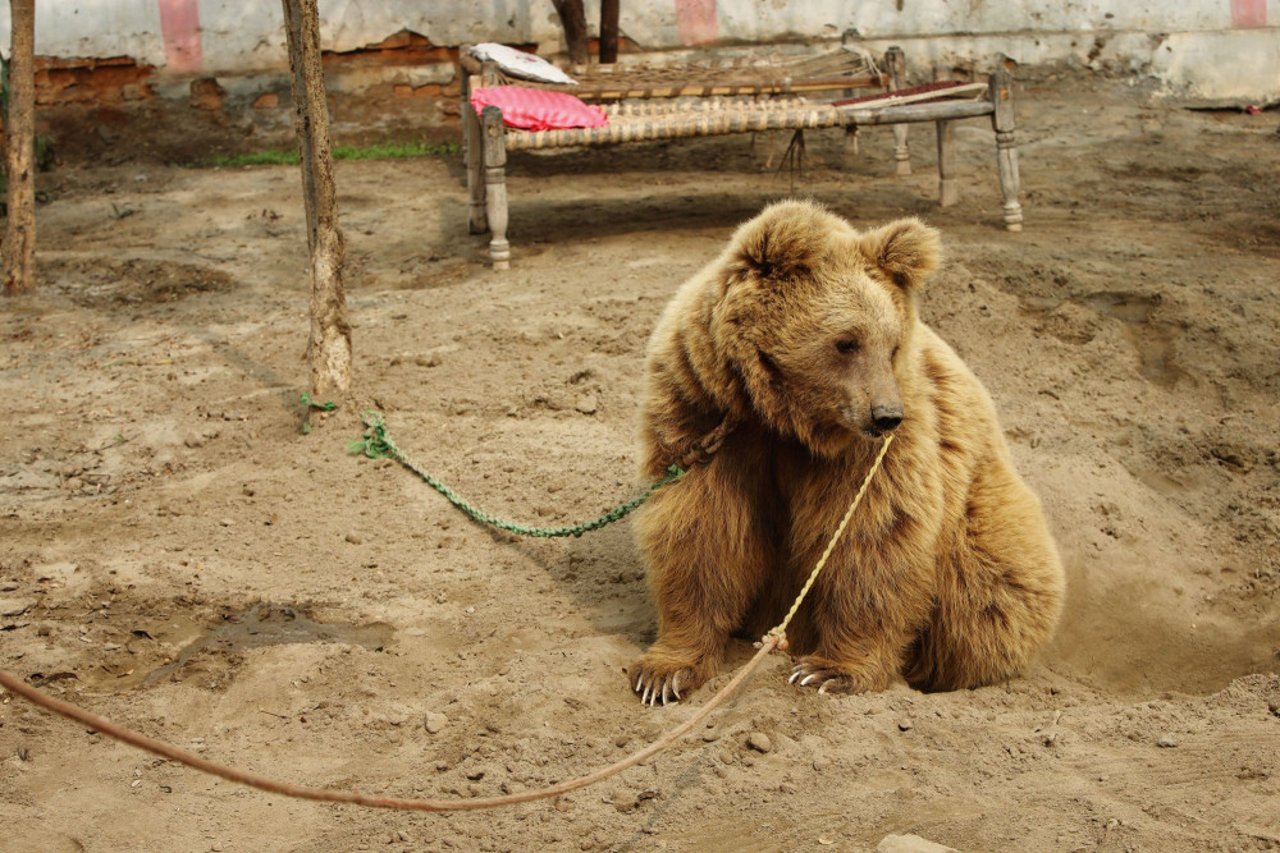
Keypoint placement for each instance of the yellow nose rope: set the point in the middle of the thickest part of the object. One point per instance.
(779, 634)
(775, 639)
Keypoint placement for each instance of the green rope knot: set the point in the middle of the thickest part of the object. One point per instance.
(376, 443)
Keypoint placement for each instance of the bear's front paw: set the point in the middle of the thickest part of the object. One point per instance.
(660, 680)
(830, 677)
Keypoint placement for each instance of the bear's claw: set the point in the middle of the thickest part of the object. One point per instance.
(659, 689)
(826, 679)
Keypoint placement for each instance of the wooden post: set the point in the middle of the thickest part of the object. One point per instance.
(609, 31)
(473, 139)
(948, 193)
(896, 61)
(574, 20)
(1006, 148)
(329, 346)
(464, 100)
(19, 248)
(495, 186)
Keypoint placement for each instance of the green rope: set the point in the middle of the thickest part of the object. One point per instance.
(376, 443)
(308, 406)
(328, 406)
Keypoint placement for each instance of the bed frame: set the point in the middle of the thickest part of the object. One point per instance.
(688, 103)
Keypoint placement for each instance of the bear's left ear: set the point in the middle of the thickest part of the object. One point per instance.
(907, 250)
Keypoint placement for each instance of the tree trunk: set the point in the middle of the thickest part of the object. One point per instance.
(609, 31)
(574, 20)
(19, 249)
(329, 347)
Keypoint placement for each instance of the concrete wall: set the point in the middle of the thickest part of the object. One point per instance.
(1204, 48)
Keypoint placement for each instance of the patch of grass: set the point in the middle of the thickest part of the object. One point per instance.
(395, 150)
(258, 158)
(376, 151)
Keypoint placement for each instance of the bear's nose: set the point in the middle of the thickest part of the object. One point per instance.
(885, 418)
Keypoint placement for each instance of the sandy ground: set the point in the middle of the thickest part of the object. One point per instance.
(178, 556)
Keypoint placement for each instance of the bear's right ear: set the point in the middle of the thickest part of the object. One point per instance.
(906, 250)
(784, 241)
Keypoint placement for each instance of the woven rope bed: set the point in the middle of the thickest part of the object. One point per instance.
(743, 95)
(745, 118)
(756, 74)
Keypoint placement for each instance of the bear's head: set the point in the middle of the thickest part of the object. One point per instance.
(816, 320)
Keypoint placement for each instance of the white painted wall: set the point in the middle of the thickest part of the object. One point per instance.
(1197, 47)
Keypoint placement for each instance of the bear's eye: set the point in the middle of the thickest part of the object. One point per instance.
(847, 345)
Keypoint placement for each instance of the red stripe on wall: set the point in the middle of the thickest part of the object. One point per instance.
(1248, 13)
(696, 20)
(180, 28)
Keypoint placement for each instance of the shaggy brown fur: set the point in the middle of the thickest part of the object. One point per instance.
(804, 333)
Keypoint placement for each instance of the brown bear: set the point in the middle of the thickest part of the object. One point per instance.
(790, 356)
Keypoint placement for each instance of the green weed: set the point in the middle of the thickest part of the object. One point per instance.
(376, 151)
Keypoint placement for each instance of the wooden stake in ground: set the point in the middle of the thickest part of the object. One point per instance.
(19, 248)
(329, 347)
(574, 20)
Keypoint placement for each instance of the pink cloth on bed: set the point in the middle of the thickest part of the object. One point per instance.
(538, 109)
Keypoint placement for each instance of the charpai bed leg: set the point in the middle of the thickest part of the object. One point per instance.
(1006, 148)
(851, 140)
(495, 186)
(948, 192)
(896, 61)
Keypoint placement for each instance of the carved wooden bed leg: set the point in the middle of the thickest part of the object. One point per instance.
(495, 186)
(851, 140)
(896, 61)
(948, 192)
(1006, 147)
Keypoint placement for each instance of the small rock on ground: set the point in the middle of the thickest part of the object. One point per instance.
(911, 844)
(15, 606)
